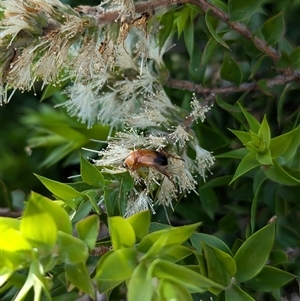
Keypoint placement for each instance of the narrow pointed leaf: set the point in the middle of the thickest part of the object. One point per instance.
(59, 214)
(235, 293)
(188, 34)
(71, 250)
(14, 247)
(62, 191)
(230, 70)
(140, 223)
(79, 276)
(91, 174)
(88, 230)
(38, 226)
(140, 287)
(209, 23)
(244, 137)
(181, 275)
(285, 146)
(198, 238)
(156, 243)
(253, 253)
(282, 175)
(252, 121)
(117, 265)
(270, 278)
(273, 29)
(216, 270)
(242, 10)
(248, 163)
(121, 232)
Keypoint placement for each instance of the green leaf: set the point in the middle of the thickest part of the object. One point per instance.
(210, 23)
(158, 243)
(235, 293)
(230, 70)
(71, 250)
(11, 222)
(242, 10)
(62, 191)
(264, 158)
(166, 21)
(117, 265)
(79, 276)
(182, 20)
(121, 232)
(209, 201)
(269, 278)
(225, 105)
(262, 84)
(221, 5)
(90, 173)
(181, 275)
(198, 238)
(14, 247)
(106, 284)
(252, 51)
(295, 58)
(223, 258)
(280, 103)
(172, 291)
(88, 229)
(51, 89)
(248, 163)
(264, 132)
(140, 223)
(220, 266)
(93, 196)
(285, 146)
(177, 253)
(253, 253)
(38, 226)
(273, 29)
(140, 287)
(257, 192)
(82, 210)
(209, 51)
(252, 121)
(257, 64)
(281, 174)
(59, 214)
(188, 34)
(115, 193)
(37, 281)
(244, 137)
(239, 153)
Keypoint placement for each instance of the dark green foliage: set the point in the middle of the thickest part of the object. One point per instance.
(224, 243)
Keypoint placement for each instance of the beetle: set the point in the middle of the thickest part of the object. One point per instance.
(148, 158)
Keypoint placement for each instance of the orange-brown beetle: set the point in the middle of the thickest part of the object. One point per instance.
(147, 158)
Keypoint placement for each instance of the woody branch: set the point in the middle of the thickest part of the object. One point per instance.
(107, 16)
(189, 86)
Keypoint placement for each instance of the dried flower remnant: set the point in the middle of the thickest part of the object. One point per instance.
(35, 40)
(139, 201)
(180, 135)
(198, 109)
(203, 161)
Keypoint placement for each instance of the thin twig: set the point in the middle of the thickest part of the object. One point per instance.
(111, 15)
(189, 86)
(8, 213)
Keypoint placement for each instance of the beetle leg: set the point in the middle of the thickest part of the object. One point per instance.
(169, 155)
(160, 170)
